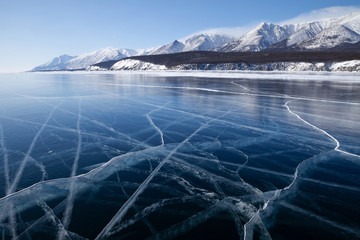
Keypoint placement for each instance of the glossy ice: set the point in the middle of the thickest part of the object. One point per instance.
(145, 155)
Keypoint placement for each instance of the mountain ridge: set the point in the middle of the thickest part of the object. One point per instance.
(305, 35)
(331, 35)
(66, 62)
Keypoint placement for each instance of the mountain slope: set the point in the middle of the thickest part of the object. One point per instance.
(172, 47)
(316, 35)
(83, 61)
(57, 63)
(263, 36)
(330, 38)
(350, 21)
(322, 35)
(195, 42)
(205, 41)
(305, 31)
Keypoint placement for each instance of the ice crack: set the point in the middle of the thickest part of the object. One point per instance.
(320, 130)
(71, 196)
(20, 171)
(153, 124)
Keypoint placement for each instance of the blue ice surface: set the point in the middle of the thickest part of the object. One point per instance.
(136, 156)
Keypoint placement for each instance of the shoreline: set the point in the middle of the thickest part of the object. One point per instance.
(242, 74)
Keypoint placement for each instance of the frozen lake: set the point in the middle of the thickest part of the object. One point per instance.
(179, 156)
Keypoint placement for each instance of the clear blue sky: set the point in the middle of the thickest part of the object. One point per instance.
(34, 31)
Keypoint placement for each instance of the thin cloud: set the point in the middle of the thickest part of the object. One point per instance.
(230, 31)
(324, 13)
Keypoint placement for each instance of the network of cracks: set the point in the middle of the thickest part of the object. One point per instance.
(179, 163)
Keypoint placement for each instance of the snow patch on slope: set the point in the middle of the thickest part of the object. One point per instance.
(132, 64)
(353, 66)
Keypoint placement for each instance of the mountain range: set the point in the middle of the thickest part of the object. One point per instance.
(323, 35)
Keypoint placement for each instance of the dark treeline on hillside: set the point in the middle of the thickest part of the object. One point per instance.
(208, 57)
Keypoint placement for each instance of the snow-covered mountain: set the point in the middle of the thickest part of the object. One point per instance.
(263, 36)
(317, 35)
(172, 47)
(83, 61)
(304, 31)
(339, 31)
(195, 42)
(57, 63)
(205, 41)
(329, 38)
(351, 21)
